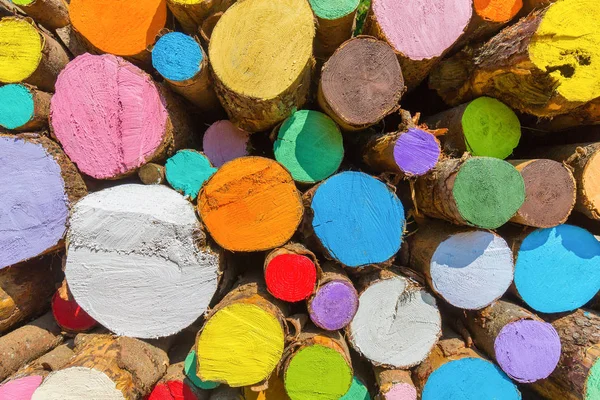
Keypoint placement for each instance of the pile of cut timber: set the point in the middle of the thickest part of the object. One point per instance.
(299, 199)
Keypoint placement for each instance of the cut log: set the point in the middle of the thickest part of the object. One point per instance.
(263, 84)
(68, 314)
(120, 128)
(51, 361)
(534, 66)
(584, 160)
(483, 127)
(309, 145)
(40, 185)
(174, 385)
(437, 25)
(120, 28)
(291, 272)
(408, 314)
(52, 14)
(190, 369)
(335, 301)
(73, 41)
(395, 384)
(531, 5)
(78, 383)
(25, 290)
(242, 340)
(577, 376)
(232, 205)
(23, 108)
(453, 370)
(358, 203)
(469, 269)
(335, 25)
(489, 16)
(317, 366)
(27, 343)
(152, 174)
(21, 388)
(147, 236)
(361, 83)
(556, 268)
(28, 54)
(191, 13)
(187, 170)
(480, 191)
(224, 142)
(550, 193)
(208, 26)
(524, 346)
(358, 391)
(182, 62)
(275, 391)
(411, 151)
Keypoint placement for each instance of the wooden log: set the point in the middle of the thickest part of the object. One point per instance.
(208, 26)
(317, 365)
(584, 161)
(408, 314)
(76, 383)
(356, 202)
(192, 13)
(532, 66)
(152, 174)
(27, 343)
(186, 172)
(21, 388)
(550, 193)
(41, 184)
(335, 301)
(335, 25)
(25, 290)
(358, 391)
(395, 384)
(231, 205)
(468, 268)
(577, 374)
(52, 14)
(73, 41)
(532, 5)
(484, 127)
(227, 393)
(480, 191)
(556, 268)
(262, 85)
(243, 338)
(182, 62)
(438, 25)
(130, 233)
(309, 144)
(29, 55)
(291, 272)
(151, 124)
(411, 151)
(524, 346)
(223, 142)
(454, 370)
(352, 100)
(488, 18)
(23, 108)
(190, 369)
(51, 361)
(274, 391)
(68, 314)
(122, 29)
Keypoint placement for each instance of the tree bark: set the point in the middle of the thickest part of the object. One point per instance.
(331, 33)
(152, 174)
(52, 14)
(41, 111)
(51, 361)
(208, 26)
(191, 16)
(388, 379)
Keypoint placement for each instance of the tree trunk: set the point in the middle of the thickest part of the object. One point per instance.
(191, 14)
(576, 376)
(394, 384)
(51, 361)
(584, 160)
(291, 272)
(275, 391)
(223, 142)
(152, 174)
(68, 314)
(264, 84)
(468, 268)
(27, 343)
(52, 14)
(550, 193)
(345, 93)
(208, 26)
(186, 172)
(532, 5)
(34, 104)
(73, 41)
(175, 385)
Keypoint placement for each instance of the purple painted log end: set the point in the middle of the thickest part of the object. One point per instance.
(416, 152)
(334, 305)
(224, 142)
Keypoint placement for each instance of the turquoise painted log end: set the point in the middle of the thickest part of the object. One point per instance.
(189, 369)
(16, 106)
(187, 170)
(358, 391)
(333, 9)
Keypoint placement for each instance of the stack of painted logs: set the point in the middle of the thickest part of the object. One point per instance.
(299, 199)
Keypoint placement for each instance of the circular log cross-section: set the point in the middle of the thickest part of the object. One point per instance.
(23, 108)
(358, 203)
(152, 174)
(270, 75)
(187, 170)
(557, 268)
(309, 145)
(484, 127)
(291, 273)
(361, 83)
(224, 142)
(394, 384)
(335, 22)
(550, 193)
(498, 11)
(39, 184)
(190, 367)
(21, 388)
(78, 383)
(135, 232)
(122, 28)
(232, 205)
(437, 24)
(69, 315)
(117, 129)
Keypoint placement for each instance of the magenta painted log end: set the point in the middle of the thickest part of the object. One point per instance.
(224, 142)
(416, 152)
(20, 389)
(334, 305)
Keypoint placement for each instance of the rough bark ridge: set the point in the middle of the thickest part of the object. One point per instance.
(331, 33)
(388, 378)
(191, 16)
(52, 361)
(52, 14)
(152, 174)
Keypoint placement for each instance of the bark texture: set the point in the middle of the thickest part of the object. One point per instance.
(52, 14)
(152, 174)
(191, 16)
(49, 362)
(331, 33)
